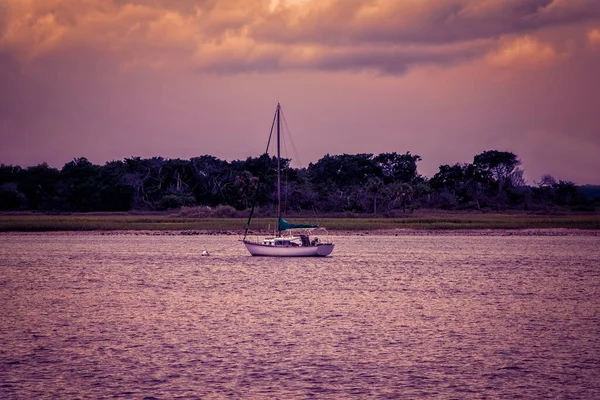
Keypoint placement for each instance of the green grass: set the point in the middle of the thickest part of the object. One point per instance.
(110, 222)
(468, 221)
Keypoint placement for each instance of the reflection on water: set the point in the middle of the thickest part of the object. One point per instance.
(92, 316)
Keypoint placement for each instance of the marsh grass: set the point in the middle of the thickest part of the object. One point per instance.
(123, 222)
(114, 223)
(468, 221)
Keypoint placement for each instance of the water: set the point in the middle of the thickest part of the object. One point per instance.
(135, 316)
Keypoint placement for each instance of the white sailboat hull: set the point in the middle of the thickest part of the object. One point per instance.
(259, 249)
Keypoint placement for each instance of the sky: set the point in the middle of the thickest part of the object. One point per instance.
(444, 79)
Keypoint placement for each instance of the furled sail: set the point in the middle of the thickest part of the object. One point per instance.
(284, 225)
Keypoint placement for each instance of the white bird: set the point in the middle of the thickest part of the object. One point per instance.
(205, 253)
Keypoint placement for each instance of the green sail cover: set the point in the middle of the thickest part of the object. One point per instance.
(284, 225)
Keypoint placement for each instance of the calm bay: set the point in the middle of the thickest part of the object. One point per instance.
(129, 315)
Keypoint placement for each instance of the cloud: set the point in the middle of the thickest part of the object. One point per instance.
(232, 36)
(522, 52)
(423, 21)
(594, 37)
(34, 28)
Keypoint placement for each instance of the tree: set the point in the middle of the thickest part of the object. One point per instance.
(341, 171)
(338, 179)
(565, 192)
(176, 184)
(448, 183)
(146, 177)
(246, 185)
(374, 187)
(264, 169)
(10, 196)
(299, 194)
(79, 179)
(212, 177)
(115, 195)
(516, 178)
(335, 183)
(475, 182)
(546, 181)
(39, 186)
(497, 166)
(9, 173)
(403, 194)
(398, 167)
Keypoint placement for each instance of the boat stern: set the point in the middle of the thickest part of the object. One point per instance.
(325, 249)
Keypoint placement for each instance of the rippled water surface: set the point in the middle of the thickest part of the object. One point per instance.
(134, 316)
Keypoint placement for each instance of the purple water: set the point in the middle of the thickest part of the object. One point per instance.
(143, 316)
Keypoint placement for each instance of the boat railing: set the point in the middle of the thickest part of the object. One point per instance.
(319, 233)
(315, 235)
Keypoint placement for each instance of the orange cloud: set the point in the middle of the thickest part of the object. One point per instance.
(525, 51)
(594, 37)
(29, 31)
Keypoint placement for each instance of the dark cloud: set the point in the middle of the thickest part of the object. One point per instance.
(394, 60)
(425, 22)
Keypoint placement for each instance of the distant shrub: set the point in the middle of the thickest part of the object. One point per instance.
(175, 201)
(397, 213)
(195, 212)
(10, 197)
(591, 192)
(583, 208)
(209, 212)
(263, 212)
(224, 212)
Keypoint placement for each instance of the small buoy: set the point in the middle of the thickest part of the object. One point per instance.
(205, 253)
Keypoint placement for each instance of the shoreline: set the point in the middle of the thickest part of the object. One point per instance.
(408, 225)
(336, 233)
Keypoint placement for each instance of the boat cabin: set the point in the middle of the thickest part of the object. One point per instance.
(291, 241)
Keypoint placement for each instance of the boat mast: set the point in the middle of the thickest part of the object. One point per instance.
(255, 197)
(278, 165)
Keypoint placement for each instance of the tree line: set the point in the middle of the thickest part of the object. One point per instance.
(385, 184)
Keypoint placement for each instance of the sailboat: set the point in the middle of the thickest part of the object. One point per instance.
(290, 240)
